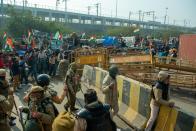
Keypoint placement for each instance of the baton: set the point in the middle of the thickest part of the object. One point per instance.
(16, 108)
(21, 118)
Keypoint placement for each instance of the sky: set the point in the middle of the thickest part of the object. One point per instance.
(178, 11)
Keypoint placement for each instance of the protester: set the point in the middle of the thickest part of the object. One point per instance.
(32, 59)
(52, 64)
(15, 73)
(95, 116)
(42, 62)
(109, 88)
(23, 70)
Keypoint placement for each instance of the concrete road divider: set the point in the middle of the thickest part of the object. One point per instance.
(172, 119)
(134, 103)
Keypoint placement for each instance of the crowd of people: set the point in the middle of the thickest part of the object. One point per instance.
(42, 115)
(32, 63)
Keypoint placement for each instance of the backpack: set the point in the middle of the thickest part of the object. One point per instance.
(65, 121)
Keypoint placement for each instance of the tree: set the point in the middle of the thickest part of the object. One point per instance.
(20, 22)
(124, 31)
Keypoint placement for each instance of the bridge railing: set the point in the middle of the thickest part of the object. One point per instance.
(60, 8)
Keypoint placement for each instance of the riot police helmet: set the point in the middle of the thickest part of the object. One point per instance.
(43, 80)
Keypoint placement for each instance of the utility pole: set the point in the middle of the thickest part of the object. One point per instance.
(165, 15)
(184, 22)
(26, 3)
(129, 18)
(23, 5)
(130, 15)
(57, 3)
(116, 8)
(153, 17)
(89, 8)
(100, 9)
(174, 22)
(140, 15)
(97, 6)
(65, 5)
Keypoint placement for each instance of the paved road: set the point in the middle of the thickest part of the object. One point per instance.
(185, 102)
(58, 86)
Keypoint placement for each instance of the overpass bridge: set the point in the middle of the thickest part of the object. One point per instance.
(87, 19)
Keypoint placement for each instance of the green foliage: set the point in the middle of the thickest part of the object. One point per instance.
(124, 31)
(20, 22)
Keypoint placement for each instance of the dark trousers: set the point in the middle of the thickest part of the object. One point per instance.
(42, 66)
(33, 72)
(71, 100)
(52, 70)
(23, 76)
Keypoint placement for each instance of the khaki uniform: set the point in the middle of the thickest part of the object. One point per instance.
(45, 107)
(6, 104)
(72, 80)
(49, 93)
(109, 88)
(80, 125)
(5, 92)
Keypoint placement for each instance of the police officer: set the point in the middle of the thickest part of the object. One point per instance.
(43, 80)
(95, 116)
(6, 102)
(73, 84)
(41, 111)
(109, 88)
(160, 97)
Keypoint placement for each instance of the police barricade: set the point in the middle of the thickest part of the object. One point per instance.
(172, 119)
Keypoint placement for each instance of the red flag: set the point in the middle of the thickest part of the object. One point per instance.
(33, 44)
(60, 36)
(10, 42)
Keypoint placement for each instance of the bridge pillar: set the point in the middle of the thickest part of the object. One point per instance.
(121, 23)
(34, 12)
(50, 16)
(113, 23)
(80, 19)
(130, 24)
(66, 19)
(70, 20)
(83, 21)
(103, 22)
(92, 21)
